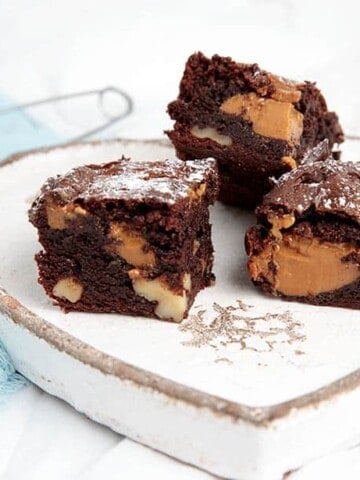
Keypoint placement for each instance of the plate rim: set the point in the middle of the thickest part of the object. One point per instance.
(57, 338)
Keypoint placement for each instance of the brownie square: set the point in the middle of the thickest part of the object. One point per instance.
(256, 124)
(129, 236)
(306, 244)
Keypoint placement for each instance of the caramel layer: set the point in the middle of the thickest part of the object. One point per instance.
(269, 117)
(58, 216)
(130, 245)
(305, 266)
(285, 90)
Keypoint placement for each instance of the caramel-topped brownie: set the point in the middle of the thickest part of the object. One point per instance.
(129, 236)
(256, 124)
(306, 245)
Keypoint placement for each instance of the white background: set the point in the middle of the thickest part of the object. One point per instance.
(52, 47)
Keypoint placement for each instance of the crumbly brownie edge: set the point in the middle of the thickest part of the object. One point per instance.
(243, 168)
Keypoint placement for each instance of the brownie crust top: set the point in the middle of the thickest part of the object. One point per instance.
(208, 82)
(326, 186)
(202, 73)
(162, 181)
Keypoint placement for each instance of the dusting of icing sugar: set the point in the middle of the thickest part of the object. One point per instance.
(165, 180)
(327, 203)
(342, 201)
(227, 326)
(328, 185)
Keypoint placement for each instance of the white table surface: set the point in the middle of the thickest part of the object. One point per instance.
(51, 47)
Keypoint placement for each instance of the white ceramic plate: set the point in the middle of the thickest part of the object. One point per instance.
(248, 387)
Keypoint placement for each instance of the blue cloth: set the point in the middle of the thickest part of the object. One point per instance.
(10, 381)
(18, 131)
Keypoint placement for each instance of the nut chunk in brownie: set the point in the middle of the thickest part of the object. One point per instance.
(306, 245)
(129, 236)
(256, 124)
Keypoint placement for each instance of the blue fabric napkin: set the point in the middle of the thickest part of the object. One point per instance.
(10, 381)
(18, 131)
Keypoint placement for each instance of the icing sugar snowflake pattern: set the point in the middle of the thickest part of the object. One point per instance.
(223, 326)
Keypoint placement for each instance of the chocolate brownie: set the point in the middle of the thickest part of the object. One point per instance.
(306, 244)
(256, 124)
(129, 236)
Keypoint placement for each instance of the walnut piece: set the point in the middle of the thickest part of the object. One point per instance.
(212, 134)
(69, 288)
(281, 222)
(170, 305)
